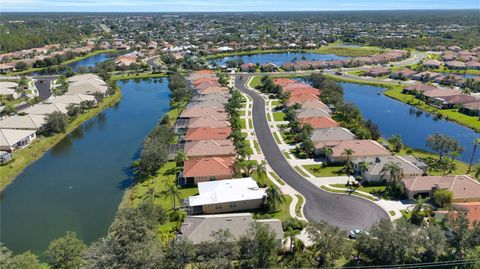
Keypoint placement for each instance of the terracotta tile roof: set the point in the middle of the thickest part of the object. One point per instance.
(361, 148)
(206, 148)
(209, 166)
(420, 88)
(206, 133)
(283, 81)
(472, 210)
(462, 186)
(441, 93)
(198, 112)
(318, 122)
(207, 84)
(304, 90)
(207, 79)
(213, 90)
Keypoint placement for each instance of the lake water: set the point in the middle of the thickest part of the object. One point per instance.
(394, 117)
(90, 61)
(78, 184)
(280, 58)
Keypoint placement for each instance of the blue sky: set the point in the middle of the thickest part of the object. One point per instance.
(228, 5)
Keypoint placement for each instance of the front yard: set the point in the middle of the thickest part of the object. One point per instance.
(320, 171)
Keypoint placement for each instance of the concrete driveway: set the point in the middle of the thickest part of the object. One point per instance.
(345, 211)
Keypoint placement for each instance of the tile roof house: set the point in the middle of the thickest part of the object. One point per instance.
(318, 122)
(12, 139)
(418, 88)
(455, 65)
(200, 228)
(432, 63)
(28, 122)
(375, 166)
(301, 99)
(472, 109)
(206, 169)
(210, 148)
(360, 148)
(8, 89)
(472, 211)
(473, 65)
(198, 112)
(463, 187)
(311, 112)
(213, 90)
(202, 80)
(316, 104)
(209, 121)
(227, 195)
(304, 90)
(44, 109)
(207, 133)
(283, 81)
(207, 84)
(425, 76)
(403, 74)
(331, 134)
(70, 99)
(378, 71)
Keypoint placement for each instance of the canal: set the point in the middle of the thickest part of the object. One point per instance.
(90, 61)
(78, 184)
(414, 126)
(280, 58)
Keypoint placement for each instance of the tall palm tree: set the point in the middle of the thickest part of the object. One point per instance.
(362, 167)
(238, 167)
(393, 170)
(327, 152)
(291, 234)
(261, 171)
(348, 153)
(275, 197)
(396, 143)
(476, 142)
(172, 192)
(476, 171)
(180, 158)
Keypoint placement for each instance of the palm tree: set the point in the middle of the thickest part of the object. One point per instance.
(180, 158)
(362, 167)
(275, 198)
(327, 152)
(476, 142)
(467, 91)
(172, 192)
(396, 143)
(392, 169)
(291, 234)
(476, 171)
(238, 167)
(261, 171)
(348, 153)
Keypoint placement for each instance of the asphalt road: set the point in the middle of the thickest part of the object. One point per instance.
(43, 86)
(345, 211)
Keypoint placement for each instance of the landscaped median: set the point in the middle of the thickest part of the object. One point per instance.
(33, 152)
(348, 192)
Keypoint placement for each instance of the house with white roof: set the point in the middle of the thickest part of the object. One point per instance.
(28, 122)
(227, 196)
(70, 99)
(11, 139)
(44, 109)
(7, 89)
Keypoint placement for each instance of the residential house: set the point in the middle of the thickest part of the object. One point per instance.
(207, 133)
(301, 99)
(44, 109)
(7, 67)
(318, 122)
(464, 188)
(360, 149)
(471, 210)
(248, 67)
(206, 169)
(378, 72)
(209, 148)
(311, 112)
(8, 90)
(375, 167)
(198, 112)
(200, 228)
(28, 122)
(418, 89)
(209, 121)
(455, 65)
(316, 104)
(70, 99)
(13, 139)
(473, 65)
(227, 195)
(403, 74)
(332, 134)
(425, 76)
(213, 90)
(471, 109)
(283, 81)
(432, 64)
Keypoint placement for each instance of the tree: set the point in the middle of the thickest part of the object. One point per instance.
(393, 170)
(73, 111)
(261, 172)
(327, 152)
(476, 171)
(66, 252)
(434, 243)
(26, 260)
(476, 142)
(8, 109)
(396, 143)
(55, 122)
(180, 158)
(219, 252)
(329, 244)
(257, 248)
(178, 254)
(443, 197)
(275, 198)
(348, 153)
(308, 147)
(98, 96)
(21, 65)
(443, 145)
(172, 192)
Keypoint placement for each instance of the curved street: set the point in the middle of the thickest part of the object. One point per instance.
(345, 211)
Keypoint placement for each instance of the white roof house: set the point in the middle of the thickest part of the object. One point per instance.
(11, 139)
(86, 84)
(44, 109)
(200, 228)
(70, 99)
(28, 122)
(7, 88)
(224, 191)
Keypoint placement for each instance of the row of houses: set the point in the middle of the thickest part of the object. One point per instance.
(382, 58)
(20, 130)
(445, 98)
(204, 127)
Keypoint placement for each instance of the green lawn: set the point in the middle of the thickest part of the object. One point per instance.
(255, 82)
(250, 123)
(276, 103)
(371, 190)
(347, 51)
(257, 146)
(348, 192)
(431, 159)
(277, 139)
(284, 211)
(249, 147)
(287, 156)
(299, 170)
(269, 118)
(243, 124)
(319, 171)
(27, 155)
(138, 76)
(287, 138)
(279, 116)
(277, 178)
(298, 206)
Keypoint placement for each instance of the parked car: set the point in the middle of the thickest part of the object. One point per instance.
(354, 233)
